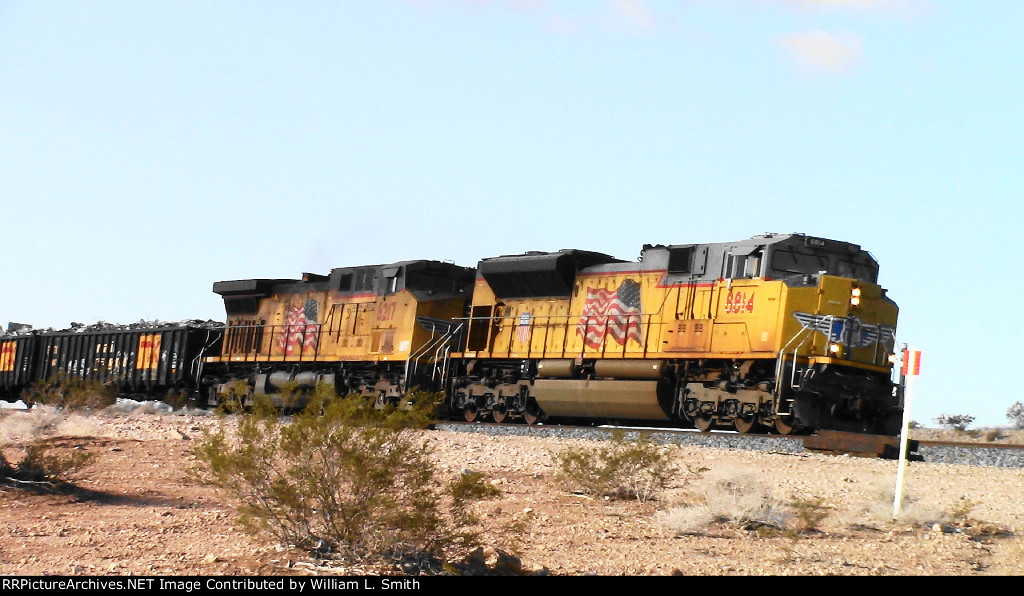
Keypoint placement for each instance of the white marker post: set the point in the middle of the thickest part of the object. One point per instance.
(911, 369)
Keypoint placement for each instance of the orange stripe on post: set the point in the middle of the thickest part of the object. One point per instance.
(911, 363)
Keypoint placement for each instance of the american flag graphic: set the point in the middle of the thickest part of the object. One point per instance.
(523, 328)
(611, 313)
(300, 328)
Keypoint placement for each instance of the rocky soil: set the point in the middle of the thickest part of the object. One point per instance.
(138, 510)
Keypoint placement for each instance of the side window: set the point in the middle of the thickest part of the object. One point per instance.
(687, 260)
(747, 264)
(390, 275)
(752, 265)
(738, 266)
(680, 259)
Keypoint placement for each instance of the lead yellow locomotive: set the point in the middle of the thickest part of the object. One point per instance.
(782, 331)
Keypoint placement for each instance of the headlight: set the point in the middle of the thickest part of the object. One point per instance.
(854, 296)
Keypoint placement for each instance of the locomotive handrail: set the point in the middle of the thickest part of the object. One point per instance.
(780, 361)
(447, 347)
(437, 344)
(415, 356)
(551, 321)
(197, 362)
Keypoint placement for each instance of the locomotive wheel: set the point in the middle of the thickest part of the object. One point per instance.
(470, 413)
(786, 425)
(745, 426)
(704, 424)
(531, 413)
(499, 415)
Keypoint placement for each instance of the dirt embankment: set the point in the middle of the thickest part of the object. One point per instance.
(139, 511)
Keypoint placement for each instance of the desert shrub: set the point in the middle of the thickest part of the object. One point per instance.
(237, 398)
(28, 426)
(622, 469)
(472, 486)
(993, 434)
(686, 519)
(732, 498)
(1016, 415)
(40, 465)
(291, 396)
(958, 422)
(807, 514)
(743, 500)
(6, 469)
(961, 516)
(176, 398)
(70, 393)
(877, 507)
(344, 479)
(961, 509)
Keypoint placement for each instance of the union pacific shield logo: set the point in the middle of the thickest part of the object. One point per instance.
(848, 331)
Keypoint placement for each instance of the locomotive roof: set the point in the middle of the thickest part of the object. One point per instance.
(358, 279)
(785, 256)
(537, 273)
(788, 256)
(763, 240)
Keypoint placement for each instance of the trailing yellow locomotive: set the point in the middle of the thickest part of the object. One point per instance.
(375, 330)
(782, 331)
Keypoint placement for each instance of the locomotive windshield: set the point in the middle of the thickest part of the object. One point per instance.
(431, 280)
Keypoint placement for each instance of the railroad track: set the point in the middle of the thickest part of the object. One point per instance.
(852, 444)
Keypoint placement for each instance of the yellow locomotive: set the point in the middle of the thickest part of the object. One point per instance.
(375, 330)
(781, 331)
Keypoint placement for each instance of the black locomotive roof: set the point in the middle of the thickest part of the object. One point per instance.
(429, 276)
(248, 286)
(537, 274)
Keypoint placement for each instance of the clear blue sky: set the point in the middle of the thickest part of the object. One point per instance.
(150, 149)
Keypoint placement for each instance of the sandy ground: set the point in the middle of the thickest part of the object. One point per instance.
(139, 511)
